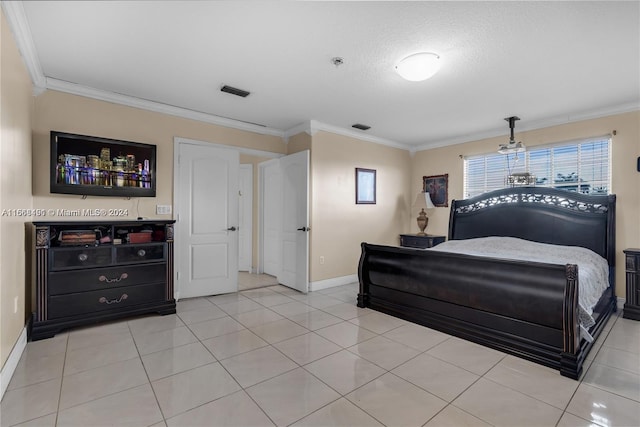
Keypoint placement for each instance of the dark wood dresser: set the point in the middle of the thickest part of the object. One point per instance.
(82, 275)
(422, 242)
(631, 308)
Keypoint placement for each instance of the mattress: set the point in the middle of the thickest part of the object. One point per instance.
(593, 270)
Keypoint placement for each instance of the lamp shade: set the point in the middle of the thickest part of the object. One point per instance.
(419, 66)
(423, 201)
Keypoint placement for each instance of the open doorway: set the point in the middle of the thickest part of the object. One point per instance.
(281, 219)
(249, 197)
(284, 220)
(195, 259)
(248, 278)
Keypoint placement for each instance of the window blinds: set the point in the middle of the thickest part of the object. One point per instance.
(582, 166)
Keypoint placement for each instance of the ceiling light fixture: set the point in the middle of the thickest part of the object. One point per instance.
(512, 146)
(419, 66)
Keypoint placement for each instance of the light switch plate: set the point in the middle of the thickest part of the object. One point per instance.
(163, 209)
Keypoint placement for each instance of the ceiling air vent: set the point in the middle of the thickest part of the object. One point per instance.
(235, 91)
(361, 127)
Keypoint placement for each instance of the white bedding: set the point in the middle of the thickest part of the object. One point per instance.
(593, 270)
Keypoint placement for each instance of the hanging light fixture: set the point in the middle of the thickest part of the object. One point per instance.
(419, 66)
(512, 146)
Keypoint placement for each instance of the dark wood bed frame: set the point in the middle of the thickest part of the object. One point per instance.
(528, 309)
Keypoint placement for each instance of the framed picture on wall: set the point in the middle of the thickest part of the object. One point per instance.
(365, 186)
(438, 188)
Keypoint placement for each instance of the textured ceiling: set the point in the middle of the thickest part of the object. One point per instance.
(547, 62)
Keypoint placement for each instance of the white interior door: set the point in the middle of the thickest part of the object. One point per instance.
(207, 220)
(245, 220)
(295, 221)
(271, 176)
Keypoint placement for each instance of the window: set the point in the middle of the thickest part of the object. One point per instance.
(582, 166)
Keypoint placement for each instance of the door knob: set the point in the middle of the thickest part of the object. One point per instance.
(231, 228)
(304, 229)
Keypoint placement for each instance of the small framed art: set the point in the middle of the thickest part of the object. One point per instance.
(365, 186)
(437, 187)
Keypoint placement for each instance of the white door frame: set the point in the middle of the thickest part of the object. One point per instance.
(261, 221)
(176, 151)
(261, 215)
(260, 260)
(295, 229)
(245, 231)
(206, 255)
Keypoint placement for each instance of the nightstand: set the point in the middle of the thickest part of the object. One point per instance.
(422, 242)
(632, 265)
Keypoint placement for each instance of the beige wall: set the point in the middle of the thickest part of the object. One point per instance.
(15, 187)
(76, 114)
(299, 142)
(338, 225)
(625, 178)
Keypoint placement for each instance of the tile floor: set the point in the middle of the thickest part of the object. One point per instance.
(247, 280)
(273, 356)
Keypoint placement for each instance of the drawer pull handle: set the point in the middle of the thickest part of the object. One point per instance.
(83, 257)
(115, 279)
(113, 301)
(142, 252)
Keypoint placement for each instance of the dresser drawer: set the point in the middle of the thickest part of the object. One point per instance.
(103, 300)
(140, 253)
(413, 242)
(422, 242)
(80, 257)
(67, 282)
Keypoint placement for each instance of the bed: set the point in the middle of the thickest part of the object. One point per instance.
(526, 308)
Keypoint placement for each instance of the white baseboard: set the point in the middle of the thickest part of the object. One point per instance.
(12, 362)
(621, 302)
(330, 283)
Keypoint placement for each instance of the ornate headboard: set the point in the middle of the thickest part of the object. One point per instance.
(544, 215)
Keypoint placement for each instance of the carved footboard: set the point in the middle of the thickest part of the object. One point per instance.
(528, 309)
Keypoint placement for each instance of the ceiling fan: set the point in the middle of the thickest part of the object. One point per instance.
(512, 146)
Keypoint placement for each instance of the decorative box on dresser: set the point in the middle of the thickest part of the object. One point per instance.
(420, 241)
(631, 308)
(88, 272)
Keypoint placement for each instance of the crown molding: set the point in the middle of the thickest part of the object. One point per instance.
(130, 101)
(604, 112)
(17, 19)
(312, 127)
(316, 126)
(302, 127)
(537, 124)
(239, 149)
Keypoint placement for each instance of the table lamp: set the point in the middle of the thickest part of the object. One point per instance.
(423, 201)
